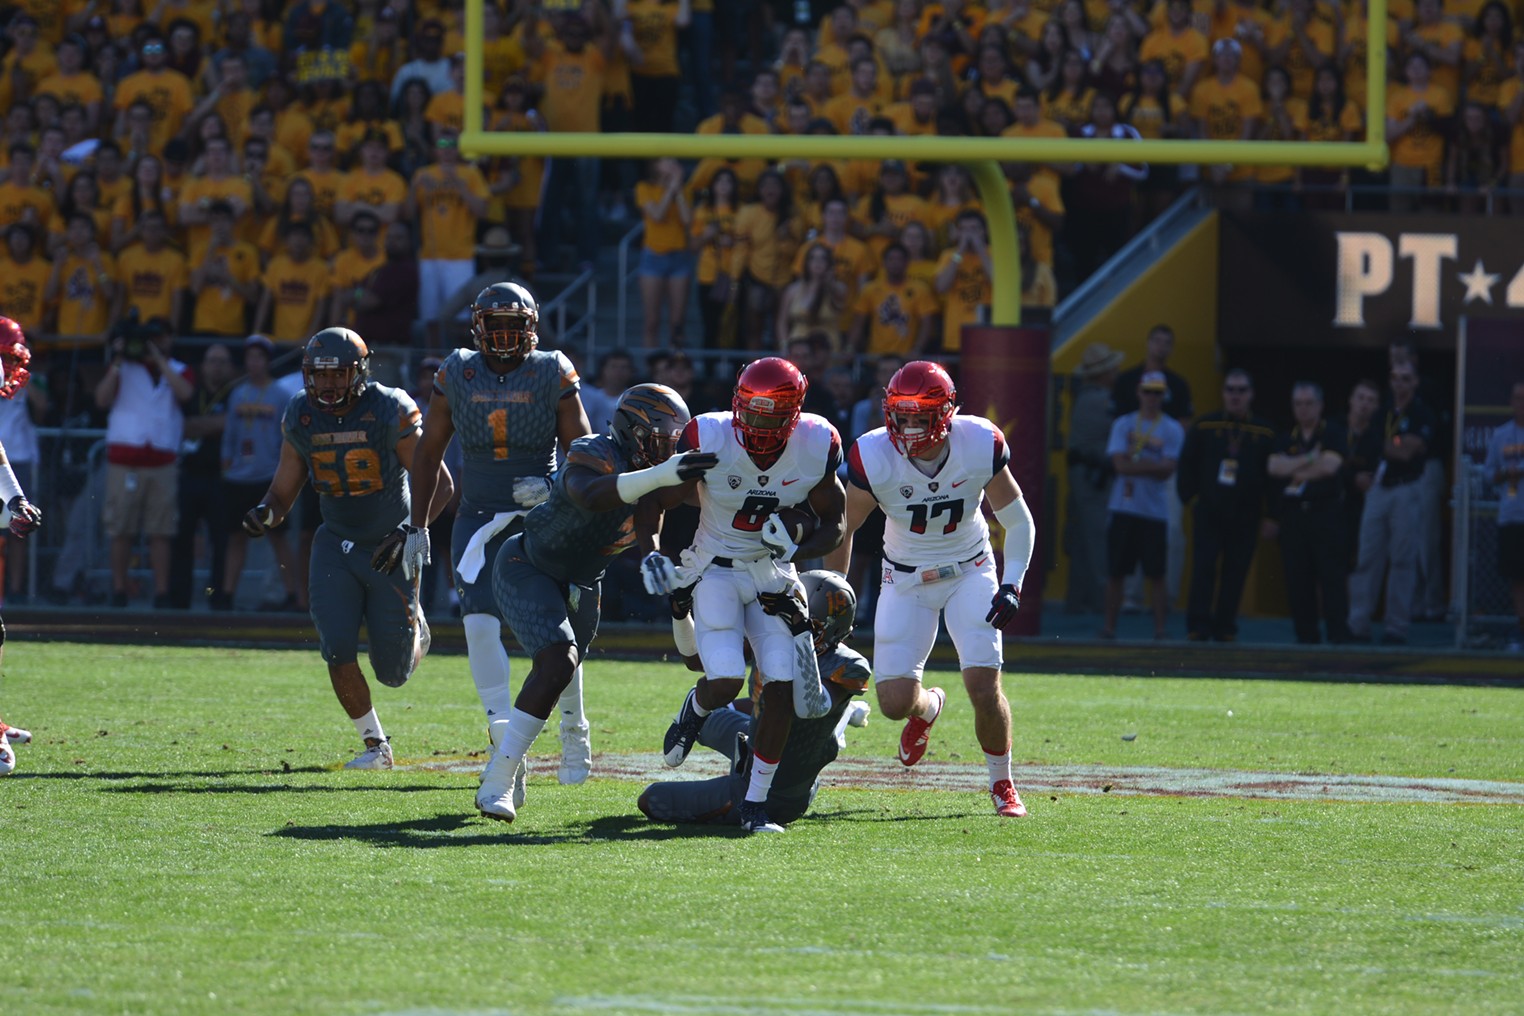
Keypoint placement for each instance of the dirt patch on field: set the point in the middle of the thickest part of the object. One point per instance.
(1132, 781)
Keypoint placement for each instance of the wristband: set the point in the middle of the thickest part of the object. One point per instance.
(9, 488)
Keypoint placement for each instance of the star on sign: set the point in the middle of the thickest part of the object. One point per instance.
(1478, 283)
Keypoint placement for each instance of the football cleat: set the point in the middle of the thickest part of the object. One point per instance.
(576, 755)
(495, 731)
(1007, 801)
(913, 738)
(377, 755)
(14, 734)
(683, 732)
(497, 797)
(7, 758)
(754, 819)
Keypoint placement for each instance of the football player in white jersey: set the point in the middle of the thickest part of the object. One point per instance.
(772, 458)
(930, 470)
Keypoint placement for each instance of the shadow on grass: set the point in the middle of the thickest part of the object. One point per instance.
(875, 815)
(457, 830)
(209, 774)
(270, 788)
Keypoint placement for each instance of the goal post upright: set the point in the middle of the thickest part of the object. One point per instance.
(981, 156)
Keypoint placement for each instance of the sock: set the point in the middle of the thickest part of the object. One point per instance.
(369, 726)
(489, 663)
(761, 778)
(571, 702)
(522, 730)
(840, 732)
(999, 766)
(933, 708)
(699, 710)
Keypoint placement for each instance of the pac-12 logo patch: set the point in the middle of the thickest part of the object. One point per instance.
(346, 545)
(470, 372)
(733, 480)
(306, 420)
(906, 491)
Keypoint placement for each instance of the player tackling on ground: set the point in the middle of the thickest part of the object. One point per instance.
(771, 457)
(510, 404)
(547, 578)
(929, 470)
(17, 515)
(356, 438)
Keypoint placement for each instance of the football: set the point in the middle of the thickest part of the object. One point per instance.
(799, 522)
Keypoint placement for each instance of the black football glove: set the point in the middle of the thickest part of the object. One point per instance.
(692, 465)
(259, 520)
(25, 517)
(787, 606)
(1003, 608)
(680, 601)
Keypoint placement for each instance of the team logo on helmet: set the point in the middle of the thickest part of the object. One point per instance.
(647, 423)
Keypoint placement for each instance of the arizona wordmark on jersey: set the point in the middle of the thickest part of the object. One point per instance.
(505, 423)
(737, 495)
(931, 519)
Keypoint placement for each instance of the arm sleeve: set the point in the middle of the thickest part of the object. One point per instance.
(1016, 518)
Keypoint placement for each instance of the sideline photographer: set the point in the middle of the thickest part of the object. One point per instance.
(142, 392)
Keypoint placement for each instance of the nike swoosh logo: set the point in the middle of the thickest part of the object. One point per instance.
(902, 755)
(980, 561)
(961, 482)
(794, 480)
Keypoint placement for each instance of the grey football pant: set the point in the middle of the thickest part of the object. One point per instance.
(717, 800)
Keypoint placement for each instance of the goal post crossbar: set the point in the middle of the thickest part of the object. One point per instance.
(981, 155)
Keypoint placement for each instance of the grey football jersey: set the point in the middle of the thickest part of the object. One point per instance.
(811, 744)
(505, 423)
(352, 460)
(565, 540)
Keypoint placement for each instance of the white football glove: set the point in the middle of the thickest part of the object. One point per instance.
(776, 539)
(529, 491)
(658, 573)
(415, 552)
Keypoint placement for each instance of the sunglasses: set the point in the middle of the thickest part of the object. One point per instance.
(152, 48)
(445, 143)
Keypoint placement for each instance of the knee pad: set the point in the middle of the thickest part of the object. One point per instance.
(721, 654)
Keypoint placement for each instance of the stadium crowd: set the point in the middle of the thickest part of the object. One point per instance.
(211, 168)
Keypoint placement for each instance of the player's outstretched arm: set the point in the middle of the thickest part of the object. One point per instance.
(428, 453)
(1011, 511)
(290, 475)
(860, 504)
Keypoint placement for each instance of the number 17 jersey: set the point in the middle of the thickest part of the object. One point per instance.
(931, 519)
(737, 495)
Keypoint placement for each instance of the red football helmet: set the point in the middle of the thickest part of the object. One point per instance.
(769, 395)
(919, 404)
(14, 357)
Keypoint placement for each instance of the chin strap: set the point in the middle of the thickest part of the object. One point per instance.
(1019, 532)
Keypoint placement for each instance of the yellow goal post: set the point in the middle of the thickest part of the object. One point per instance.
(981, 156)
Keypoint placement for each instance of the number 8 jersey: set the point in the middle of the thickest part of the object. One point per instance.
(737, 496)
(931, 519)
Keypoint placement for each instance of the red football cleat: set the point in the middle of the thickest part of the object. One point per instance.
(1007, 801)
(913, 737)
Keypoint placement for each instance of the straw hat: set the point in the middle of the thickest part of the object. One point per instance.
(1099, 359)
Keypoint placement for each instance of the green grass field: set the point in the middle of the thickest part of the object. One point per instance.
(179, 840)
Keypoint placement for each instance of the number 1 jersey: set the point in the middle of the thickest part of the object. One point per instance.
(931, 519)
(505, 423)
(737, 495)
(362, 487)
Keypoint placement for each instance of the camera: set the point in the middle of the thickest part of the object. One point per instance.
(136, 336)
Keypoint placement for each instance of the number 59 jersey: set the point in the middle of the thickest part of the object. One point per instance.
(931, 519)
(737, 496)
(505, 423)
(361, 485)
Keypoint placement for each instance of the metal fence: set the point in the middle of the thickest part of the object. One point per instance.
(1487, 619)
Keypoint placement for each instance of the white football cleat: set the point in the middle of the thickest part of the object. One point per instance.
(375, 756)
(7, 757)
(576, 755)
(14, 734)
(495, 731)
(498, 797)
